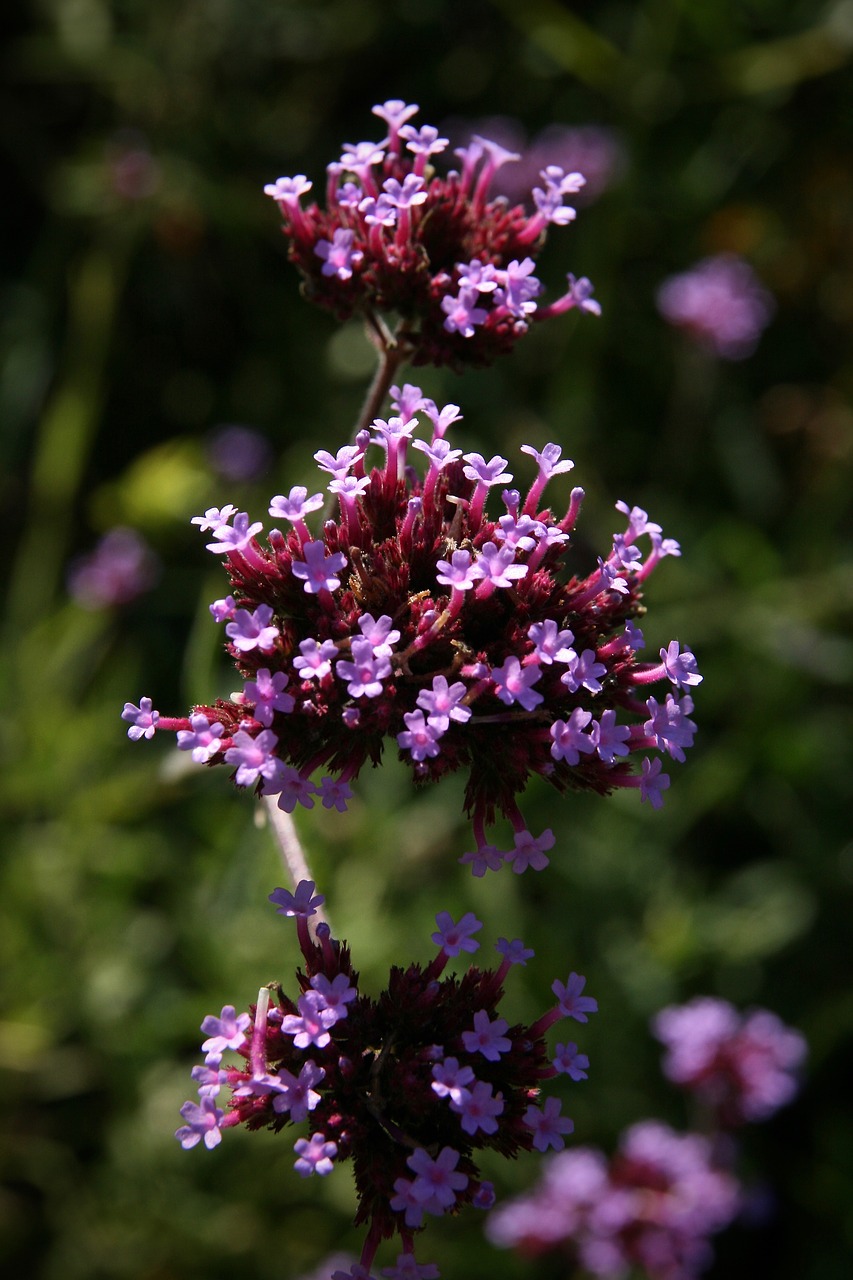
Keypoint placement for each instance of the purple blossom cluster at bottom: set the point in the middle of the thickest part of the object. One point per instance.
(652, 1208)
(409, 1086)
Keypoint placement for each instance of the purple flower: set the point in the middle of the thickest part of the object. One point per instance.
(443, 702)
(547, 1125)
(253, 630)
(266, 691)
(478, 1108)
(498, 565)
(318, 570)
(234, 538)
(142, 719)
(311, 1025)
(214, 518)
(611, 739)
(584, 672)
(420, 736)
(255, 757)
(436, 1182)
(515, 952)
(121, 568)
(315, 1155)
(487, 1037)
(529, 850)
(339, 254)
(570, 1002)
(569, 740)
(680, 665)
(303, 904)
(461, 313)
(518, 288)
(460, 572)
(743, 1066)
(653, 782)
(486, 473)
(514, 683)
(202, 739)
(296, 1094)
(288, 189)
(721, 303)
(225, 1032)
(569, 1061)
(316, 660)
(202, 1121)
(296, 506)
(407, 1269)
(450, 1080)
(455, 938)
(364, 675)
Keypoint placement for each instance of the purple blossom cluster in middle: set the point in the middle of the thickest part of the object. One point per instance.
(460, 634)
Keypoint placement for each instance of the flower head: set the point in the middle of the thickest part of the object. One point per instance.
(721, 303)
(743, 1066)
(397, 236)
(649, 1210)
(409, 1086)
(462, 638)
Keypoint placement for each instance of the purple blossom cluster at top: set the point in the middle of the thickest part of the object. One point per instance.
(742, 1066)
(409, 1087)
(461, 635)
(721, 303)
(395, 236)
(651, 1208)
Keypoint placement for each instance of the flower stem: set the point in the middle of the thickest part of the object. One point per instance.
(292, 853)
(394, 351)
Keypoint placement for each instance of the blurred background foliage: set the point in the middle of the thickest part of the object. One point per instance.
(146, 302)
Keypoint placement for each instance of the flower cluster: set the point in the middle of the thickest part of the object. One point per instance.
(121, 568)
(456, 267)
(462, 636)
(721, 303)
(652, 1207)
(408, 1086)
(742, 1066)
(655, 1204)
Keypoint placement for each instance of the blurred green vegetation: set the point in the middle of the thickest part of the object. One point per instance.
(145, 301)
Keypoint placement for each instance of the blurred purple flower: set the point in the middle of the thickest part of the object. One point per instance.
(651, 1208)
(721, 303)
(121, 567)
(594, 150)
(744, 1066)
(238, 453)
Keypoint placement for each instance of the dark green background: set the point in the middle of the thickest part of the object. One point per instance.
(134, 894)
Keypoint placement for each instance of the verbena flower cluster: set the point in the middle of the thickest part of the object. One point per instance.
(651, 1208)
(743, 1067)
(655, 1204)
(409, 1086)
(396, 237)
(121, 568)
(463, 636)
(721, 303)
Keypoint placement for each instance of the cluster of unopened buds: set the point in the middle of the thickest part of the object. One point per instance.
(408, 1086)
(462, 636)
(395, 237)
